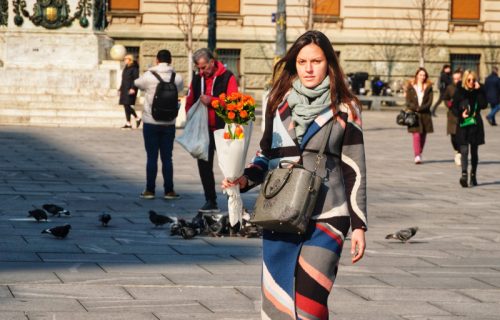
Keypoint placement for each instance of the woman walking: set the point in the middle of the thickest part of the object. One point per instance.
(468, 101)
(419, 100)
(128, 91)
(308, 94)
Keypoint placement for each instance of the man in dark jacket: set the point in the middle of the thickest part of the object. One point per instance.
(215, 79)
(492, 87)
(444, 82)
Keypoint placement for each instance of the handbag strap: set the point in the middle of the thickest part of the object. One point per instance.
(324, 141)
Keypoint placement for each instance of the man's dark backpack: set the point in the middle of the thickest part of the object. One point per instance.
(165, 106)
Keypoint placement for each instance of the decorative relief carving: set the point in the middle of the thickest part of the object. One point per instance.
(52, 14)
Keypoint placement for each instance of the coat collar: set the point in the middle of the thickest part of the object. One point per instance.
(285, 114)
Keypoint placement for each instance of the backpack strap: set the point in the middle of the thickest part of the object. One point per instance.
(172, 77)
(157, 76)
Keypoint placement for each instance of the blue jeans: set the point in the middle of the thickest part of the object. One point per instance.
(159, 138)
(494, 110)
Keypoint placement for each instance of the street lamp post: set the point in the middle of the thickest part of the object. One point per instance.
(281, 29)
(212, 25)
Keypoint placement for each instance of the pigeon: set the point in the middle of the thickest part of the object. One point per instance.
(104, 219)
(38, 214)
(55, 210)
(158, 219)
(59, 231)
(403, 235)
(188, 232)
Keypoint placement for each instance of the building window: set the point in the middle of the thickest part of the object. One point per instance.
(228, 6)
(465, 61)
(326, 8)
(120, 5)
(230, 58)
(465, 10)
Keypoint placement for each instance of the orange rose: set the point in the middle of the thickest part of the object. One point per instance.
(215, 104)
(227, 135)
(243, 114)
(231, 115)
(222, 96)
(239, 106)
(239, 130)
(230, 107)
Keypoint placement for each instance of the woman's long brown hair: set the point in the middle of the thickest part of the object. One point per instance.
(285, 72)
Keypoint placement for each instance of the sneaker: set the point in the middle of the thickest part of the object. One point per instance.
(126, 127)
(171, 195)
(147, 195)
(418, 160)
(209, 207)
(458, 159)
(138, 123)
(490, 121)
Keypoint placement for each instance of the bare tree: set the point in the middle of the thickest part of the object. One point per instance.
(423, 19)
(388, 50)
(189, 15)
(493, 49)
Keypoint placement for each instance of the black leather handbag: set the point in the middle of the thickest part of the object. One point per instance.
(288, 195)
(407, 118)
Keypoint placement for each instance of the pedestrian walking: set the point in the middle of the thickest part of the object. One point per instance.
(308, 94)
(492, 87)
(443, 83)
(211, 80)
(419, 100)
(451, 126)
(158, 135)
(468, 101)
(128, 91)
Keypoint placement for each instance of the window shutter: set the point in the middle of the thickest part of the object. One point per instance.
(228, 6)
(466, 10)
(327, 7)
(124, 5)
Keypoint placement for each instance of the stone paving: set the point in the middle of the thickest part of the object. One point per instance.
(131, 270)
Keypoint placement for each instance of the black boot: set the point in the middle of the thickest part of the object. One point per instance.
(473, 180)
(463, 180)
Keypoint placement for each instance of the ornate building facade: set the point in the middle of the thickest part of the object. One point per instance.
(388, 38)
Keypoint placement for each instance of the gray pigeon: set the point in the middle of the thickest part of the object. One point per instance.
(55, 209)
(403, 235)
(38, 214)
(158, 219)
(59, 231)
(104, 219)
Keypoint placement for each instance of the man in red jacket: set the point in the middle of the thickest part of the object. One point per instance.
(211, 80)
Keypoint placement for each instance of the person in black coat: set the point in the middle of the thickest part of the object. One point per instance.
(468, 101)
(492, 88)
(444, 81)
(128, 91)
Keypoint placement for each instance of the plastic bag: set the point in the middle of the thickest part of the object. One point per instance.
(195, 137)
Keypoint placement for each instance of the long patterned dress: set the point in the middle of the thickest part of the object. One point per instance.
(299, 271)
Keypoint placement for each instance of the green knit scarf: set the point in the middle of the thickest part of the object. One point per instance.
(306, 104)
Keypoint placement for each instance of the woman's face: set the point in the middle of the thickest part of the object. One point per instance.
(421, 76)
(469, 82)
(311, 65)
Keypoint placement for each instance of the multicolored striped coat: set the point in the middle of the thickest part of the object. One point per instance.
(299, 271)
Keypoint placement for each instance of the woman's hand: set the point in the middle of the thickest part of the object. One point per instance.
(465, 114)
(241, 181)
(358, 244)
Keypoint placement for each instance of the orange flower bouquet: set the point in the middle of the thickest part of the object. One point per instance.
(238, 112)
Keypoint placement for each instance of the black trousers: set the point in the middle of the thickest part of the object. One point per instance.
(436, 105)
(129, 111)
(464, 151)
(206, 171)
(454, 143)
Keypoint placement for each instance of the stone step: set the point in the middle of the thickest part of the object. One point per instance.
(60, 113)
(4, 98)
(63, 121)
(45, 105)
